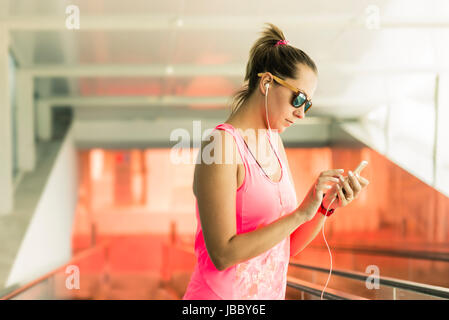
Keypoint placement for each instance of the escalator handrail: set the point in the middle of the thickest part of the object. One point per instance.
(398, 253)
(432, 290)
(436, 291)
(316, 290)
(17, 288)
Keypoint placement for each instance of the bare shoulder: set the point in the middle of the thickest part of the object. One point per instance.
(217, 159)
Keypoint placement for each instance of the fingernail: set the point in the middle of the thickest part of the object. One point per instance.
(341, 170)
(350, 173)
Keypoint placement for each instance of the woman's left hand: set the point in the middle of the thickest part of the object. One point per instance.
(352, 186)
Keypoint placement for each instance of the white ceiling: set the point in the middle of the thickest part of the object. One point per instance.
(360, 68)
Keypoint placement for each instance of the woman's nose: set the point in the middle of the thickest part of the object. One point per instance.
(299, 112)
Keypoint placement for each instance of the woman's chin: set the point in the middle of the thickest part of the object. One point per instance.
(280, 129)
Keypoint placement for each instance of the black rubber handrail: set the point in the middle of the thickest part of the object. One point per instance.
(431, 290)
(398, 253)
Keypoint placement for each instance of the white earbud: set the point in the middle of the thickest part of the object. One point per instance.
(267, 85)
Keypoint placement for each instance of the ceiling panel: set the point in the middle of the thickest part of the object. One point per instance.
(355, 62)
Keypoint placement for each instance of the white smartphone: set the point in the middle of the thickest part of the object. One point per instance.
(359, 168)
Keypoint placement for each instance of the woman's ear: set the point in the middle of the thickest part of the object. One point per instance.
(265, 82)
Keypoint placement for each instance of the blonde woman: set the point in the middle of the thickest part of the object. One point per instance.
(249, 223)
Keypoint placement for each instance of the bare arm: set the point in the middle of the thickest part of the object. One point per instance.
(305, 233)
(215, 187)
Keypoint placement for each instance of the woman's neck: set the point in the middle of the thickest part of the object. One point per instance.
(248, 116)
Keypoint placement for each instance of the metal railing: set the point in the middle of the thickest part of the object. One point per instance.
(292, 282)
(397, 253)
(435, 291)
(316, 290)
(19, 288)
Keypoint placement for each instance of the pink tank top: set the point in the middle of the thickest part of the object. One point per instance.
(259, 201)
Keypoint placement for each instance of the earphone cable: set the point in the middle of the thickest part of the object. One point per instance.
(325, 218)
(327, 245)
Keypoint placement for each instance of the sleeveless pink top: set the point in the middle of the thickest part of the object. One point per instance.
(259, 201)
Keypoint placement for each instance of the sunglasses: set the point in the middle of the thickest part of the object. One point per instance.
(299, 98)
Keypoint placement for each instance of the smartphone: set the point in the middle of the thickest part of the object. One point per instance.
(359, 168)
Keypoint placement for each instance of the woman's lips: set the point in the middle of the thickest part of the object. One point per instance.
(289, 121)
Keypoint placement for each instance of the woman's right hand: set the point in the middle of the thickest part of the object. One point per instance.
(314, 197)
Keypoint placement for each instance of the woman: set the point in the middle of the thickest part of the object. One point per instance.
(248, 220)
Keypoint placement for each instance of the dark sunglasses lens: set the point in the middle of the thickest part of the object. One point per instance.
(299, 100)
(308, 105)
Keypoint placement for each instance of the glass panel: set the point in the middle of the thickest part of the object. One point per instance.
(91, 281)
(351, 286)
(442, 174)
(373, 125)
(12, 94)
(430, 272)
(412, 124)
(402, 294)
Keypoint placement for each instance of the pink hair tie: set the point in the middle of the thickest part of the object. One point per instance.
(281, 42)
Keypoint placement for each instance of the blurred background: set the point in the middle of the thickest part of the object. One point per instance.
(93, 92)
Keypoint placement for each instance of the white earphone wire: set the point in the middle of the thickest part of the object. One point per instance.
(327, 245)
(325, 218)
